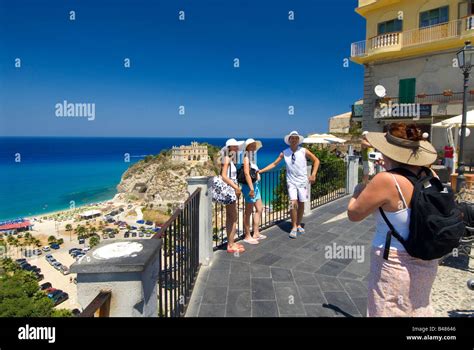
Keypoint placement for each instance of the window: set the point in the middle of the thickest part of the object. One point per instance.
(435, 16)
(406, 90)
(394, 25)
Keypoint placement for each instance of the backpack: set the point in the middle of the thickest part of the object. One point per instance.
(436, 223)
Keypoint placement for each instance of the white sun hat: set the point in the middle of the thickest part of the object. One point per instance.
(232, 142)
(293, 133)
(250, 141)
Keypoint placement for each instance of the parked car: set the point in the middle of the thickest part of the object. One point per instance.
(46, 248)
(140, 234)
(121, 210)
(111, 235)
(73, 250)
(105, 236)
(54, 246)
(126, 235)
(79, 256)
(134, 234)
(57, 265)
(134, 227)
(50, 290)
(64, 270)
(19, 261)
(35, 269)
(86, 249)
(54, 293)
(39, 277)
(52, 261)
(149, 223)
(76, 253)
(45, 285)
(82, 241)
(58, 299)
(27, 267)
(141, 222)
(148, 234)
(37, 252)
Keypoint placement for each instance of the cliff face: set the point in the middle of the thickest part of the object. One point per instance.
(158, 179)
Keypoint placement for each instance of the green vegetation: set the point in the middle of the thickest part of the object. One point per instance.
(94, 240)
(20, 295)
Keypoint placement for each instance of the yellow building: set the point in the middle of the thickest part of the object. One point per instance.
(193, 153)
(410, 49)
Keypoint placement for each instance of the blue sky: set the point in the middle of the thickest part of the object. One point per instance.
(175, 63)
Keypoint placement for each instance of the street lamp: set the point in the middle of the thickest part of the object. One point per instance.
(465, 58)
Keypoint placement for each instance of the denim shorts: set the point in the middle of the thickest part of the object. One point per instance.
(246, 192)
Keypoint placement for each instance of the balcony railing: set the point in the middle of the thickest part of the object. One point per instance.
(417, 36)
(330, 185)
(179, 260)
(455, 97)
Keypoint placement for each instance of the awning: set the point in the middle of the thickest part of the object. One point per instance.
(456, 121)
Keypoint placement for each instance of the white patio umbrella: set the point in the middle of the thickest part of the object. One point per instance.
(323, 139)
(456, 121)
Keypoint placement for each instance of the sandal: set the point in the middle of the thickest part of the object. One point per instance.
(300, 230)
(238, 249)
(293, 234)
(251, 241)
(260, 237)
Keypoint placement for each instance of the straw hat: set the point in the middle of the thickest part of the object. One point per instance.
(294, 133)
(418, 153)
(250, 141)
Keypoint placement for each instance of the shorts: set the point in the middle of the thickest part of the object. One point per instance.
(449, 163)
(369, 168)
(246, 192)
(298, 192)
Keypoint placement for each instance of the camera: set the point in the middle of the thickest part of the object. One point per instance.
(375, 156)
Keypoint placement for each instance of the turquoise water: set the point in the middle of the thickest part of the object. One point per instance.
(55, 171)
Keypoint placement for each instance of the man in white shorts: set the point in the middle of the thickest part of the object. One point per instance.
(296, 177)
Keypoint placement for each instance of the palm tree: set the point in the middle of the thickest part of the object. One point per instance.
(51, 239)
(68, 227)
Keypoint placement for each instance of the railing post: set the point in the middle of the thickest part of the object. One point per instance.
(307, 204)
(129, 269)
(205, 217)
(352, 178)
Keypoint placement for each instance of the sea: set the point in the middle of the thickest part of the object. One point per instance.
(39, 175)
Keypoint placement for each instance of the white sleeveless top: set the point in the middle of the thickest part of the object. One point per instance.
(400, 221)
(232, 174)
(296, 169)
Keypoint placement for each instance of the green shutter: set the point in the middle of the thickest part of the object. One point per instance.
(407, 90)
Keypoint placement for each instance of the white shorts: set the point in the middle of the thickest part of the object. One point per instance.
(369, 168)
(449, 163)
(298, 192)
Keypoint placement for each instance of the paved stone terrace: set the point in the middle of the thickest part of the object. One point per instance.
(282, 277)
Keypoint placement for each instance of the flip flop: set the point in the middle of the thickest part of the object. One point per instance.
(300, 230)
(235, 250)
(261, 237)
(251, 241)
(293, 234)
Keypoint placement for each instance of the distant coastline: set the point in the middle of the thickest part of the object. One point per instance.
(57, 170)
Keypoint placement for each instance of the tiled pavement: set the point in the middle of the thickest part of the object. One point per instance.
(282, 277)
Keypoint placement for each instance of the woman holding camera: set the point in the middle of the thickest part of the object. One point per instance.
(400, 285)
(251, 192)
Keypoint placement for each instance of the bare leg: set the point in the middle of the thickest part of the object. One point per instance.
(294, 214)
(230, 223)
(247, 215)
(300, 213)
(256, 218)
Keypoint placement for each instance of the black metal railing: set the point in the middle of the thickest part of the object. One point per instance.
(330, 183)
(179, 259)
(275, 208)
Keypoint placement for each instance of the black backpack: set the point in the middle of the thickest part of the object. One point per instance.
(436, 223)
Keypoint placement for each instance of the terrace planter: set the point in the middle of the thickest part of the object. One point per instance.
(447, 93)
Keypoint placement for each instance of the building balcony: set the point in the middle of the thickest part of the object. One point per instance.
(417, 41)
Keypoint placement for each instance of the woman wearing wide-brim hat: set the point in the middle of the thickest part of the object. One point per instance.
(251, 192)
(401, 285)
(229, 155)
